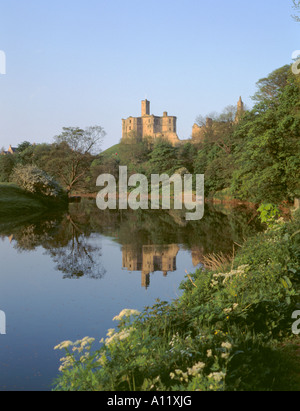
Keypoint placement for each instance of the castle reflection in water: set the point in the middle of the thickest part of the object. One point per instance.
(151, 258)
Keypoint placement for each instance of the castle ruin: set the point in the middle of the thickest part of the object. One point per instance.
(165, 127)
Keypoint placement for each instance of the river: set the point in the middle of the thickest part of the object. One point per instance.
(65, 276)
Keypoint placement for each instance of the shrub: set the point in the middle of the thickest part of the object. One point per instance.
(36, 181)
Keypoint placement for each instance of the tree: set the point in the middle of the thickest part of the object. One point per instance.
(220, 133)
(201, 120)
(164, 158)
(270, 86)
(7, 163)
(215, 155)
(23, 146)
(267, 156)
(297, 8)
(73, 154)
(81, 141)
(187, 154)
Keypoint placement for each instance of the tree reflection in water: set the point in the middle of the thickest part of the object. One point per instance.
(63, 238)
(70, 239)
(78, 257)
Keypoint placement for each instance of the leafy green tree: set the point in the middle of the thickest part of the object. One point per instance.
(270, 87)
(134, 154)
(73, 155)
(7, 163)
(69, 167)
(267, 157)
(187, 154)
(164, 158)
(34, 155)
(215, 153)
(82, 141)
(23, 146)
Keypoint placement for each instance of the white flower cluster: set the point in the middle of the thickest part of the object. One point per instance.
(240, 271)
(228, 347)
(78, 346)
(126, 313)
(230, 309)
(217, 376)
(174, 340)
(64, 344)
(67, 362)
(193, 371)
(113, 336)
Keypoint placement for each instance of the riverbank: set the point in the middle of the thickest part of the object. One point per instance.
(232, 328)
(17, 202)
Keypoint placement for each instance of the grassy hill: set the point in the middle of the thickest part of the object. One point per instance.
(111, 151)
(126, 154)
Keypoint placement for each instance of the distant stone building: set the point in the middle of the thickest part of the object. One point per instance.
(199, 132)
(11, 150)
(240, 110)
(148, 125)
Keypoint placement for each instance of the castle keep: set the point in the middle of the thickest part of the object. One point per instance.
(150, 126)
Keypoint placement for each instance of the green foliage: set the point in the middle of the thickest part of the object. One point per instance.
(36, 181)
(82, 141)
(164, 158)
(74, 152)
(7, 163)
(267, 160)
(23, 146)
(268, 213)
(271, 86)
(224, 333)
(258, 158)
(187, 153)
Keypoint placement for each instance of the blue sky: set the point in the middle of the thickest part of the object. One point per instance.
(91, 62)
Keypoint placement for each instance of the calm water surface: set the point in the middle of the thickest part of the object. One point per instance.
(64, 277)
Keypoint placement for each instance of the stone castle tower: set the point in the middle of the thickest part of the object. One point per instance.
(151, 126)
(240, 110)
